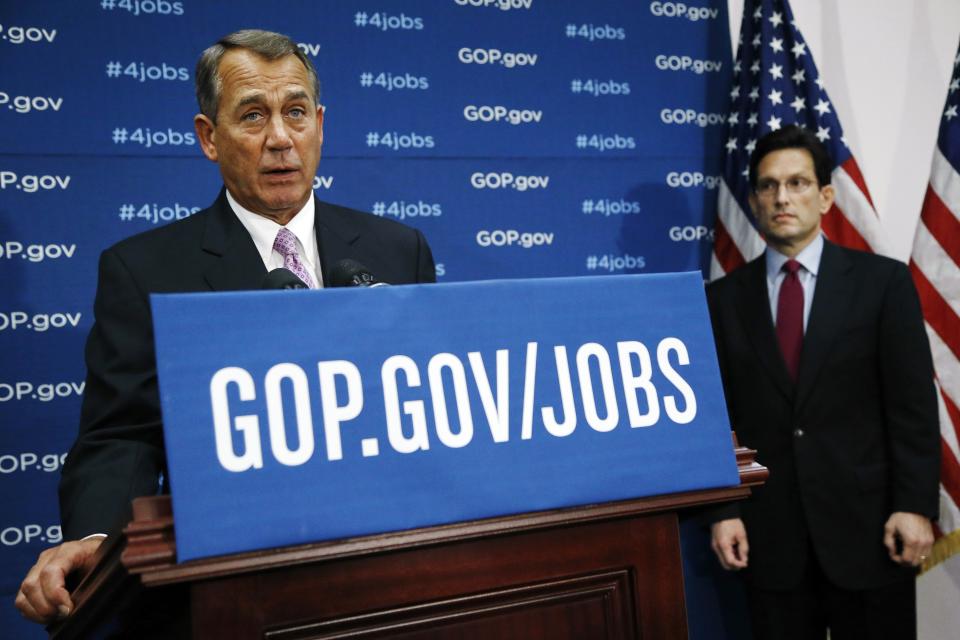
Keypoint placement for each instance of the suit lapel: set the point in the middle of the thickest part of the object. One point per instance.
(831, 297)
(239, 266)
(754, 309)
(336, 237)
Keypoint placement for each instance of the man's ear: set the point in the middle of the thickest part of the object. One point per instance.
(320, 111)
(827, 196)
(206, 135)
(752, 200)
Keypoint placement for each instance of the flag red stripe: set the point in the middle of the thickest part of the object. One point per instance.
(949, 466)
(728, 255)
(937, 312)
(853, 170)
(942, 224)
(840, 230)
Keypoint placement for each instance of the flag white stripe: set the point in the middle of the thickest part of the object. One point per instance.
(716, 269)
(949, 513)
(945, 182)
(857, 210)
(744, 236)
(948, 375)
(938, 267)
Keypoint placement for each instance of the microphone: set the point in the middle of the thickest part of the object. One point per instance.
(350, 273)
(282, 279)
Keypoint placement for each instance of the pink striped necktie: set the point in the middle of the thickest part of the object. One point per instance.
(286, 246)
(790, 318)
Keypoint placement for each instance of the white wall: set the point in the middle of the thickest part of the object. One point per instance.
(886, 65)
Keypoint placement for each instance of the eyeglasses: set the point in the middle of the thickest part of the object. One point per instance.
(769, 188)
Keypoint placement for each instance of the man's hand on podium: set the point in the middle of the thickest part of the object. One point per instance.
(729, 542)
(43, 596)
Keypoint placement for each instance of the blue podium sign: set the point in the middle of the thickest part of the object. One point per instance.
(299, 416)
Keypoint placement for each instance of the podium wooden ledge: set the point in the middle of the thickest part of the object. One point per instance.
(609, 570)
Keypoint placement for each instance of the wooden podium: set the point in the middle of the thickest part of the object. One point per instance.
(603, 571)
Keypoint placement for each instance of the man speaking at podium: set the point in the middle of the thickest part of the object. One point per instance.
(828, 375)
(260, 120)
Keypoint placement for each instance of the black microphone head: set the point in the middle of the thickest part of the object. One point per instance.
(282, 279)
(350, 273)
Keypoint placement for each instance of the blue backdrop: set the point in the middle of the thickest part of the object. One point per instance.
(524, 137)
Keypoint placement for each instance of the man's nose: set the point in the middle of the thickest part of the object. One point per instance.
(783, 194)
(278, 137)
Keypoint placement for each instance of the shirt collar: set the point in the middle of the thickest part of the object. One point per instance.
(264, 230)
(809, 258)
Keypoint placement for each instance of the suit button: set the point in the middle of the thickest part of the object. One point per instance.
(798, 433)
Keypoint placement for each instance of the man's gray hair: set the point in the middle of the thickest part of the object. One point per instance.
(266, 44)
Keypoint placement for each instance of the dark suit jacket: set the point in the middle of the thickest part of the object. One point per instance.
(119, 453)
(855, 439)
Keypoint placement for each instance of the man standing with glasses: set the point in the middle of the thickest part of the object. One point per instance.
(828, 375)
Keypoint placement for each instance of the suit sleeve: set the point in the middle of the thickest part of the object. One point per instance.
(729, 510)
(118, 454)
(909, 399)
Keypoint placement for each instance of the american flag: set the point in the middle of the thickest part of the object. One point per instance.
(776, 83)
(935, 264)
